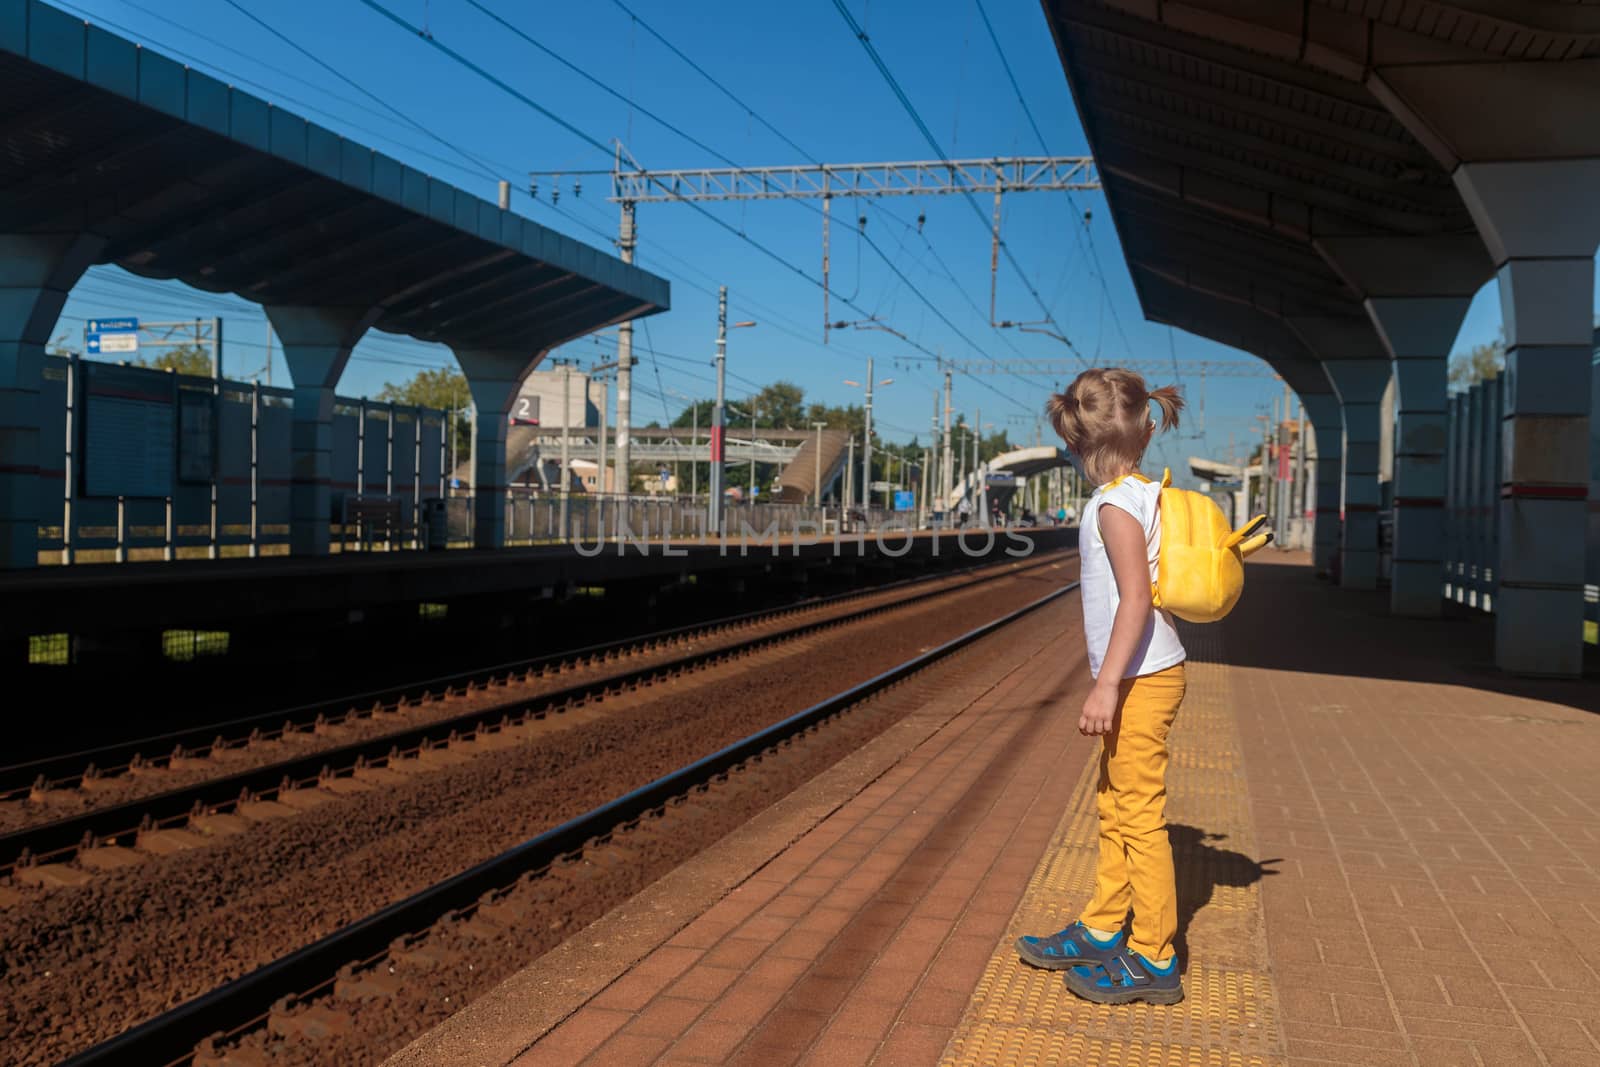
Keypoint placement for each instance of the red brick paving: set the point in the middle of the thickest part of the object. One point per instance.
(1435, 897)
(864, 939)
(1438, 828)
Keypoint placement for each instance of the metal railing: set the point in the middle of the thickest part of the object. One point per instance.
(535, 517)
(1472, 495)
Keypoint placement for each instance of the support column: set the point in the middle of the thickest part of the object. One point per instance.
(37, 271)
(316, 346)
(494, 375)
(1322, 409)
(1360, 384)
(1416, 291)
(1539, 222)
(1419, 332)
(1529, 187)
(1358, 368)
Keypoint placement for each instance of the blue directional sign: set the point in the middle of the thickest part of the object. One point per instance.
(112, 326)
(112, 342)
(111, 335)
(905, 500)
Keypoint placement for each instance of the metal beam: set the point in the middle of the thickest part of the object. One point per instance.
(1071, 367)
(1016, 174)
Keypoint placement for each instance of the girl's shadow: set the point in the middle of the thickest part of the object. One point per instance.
(1202, 867)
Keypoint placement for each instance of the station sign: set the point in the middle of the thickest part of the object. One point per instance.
(526, 412)
(1003, 480)
(111, 335)
(112, 342)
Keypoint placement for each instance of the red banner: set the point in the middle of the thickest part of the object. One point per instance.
(716, 444)
(1283, 463)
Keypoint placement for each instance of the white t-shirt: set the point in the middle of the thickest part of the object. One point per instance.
(1159, 648)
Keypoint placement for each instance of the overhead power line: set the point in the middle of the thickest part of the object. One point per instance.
(627, 202)
(933, 142)
(1078, 217)
(739, 102)
(586, 138)
(1061, 367)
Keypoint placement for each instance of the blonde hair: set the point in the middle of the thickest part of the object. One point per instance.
(1104, 417)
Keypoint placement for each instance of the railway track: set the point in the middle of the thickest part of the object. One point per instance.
(508, 699)
(373, 958)
(92, 768)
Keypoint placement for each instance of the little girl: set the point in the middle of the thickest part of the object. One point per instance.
(1137, 662)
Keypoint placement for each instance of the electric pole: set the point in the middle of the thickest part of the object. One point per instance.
(566, 454)
(714, 516)
(1281, 433)
(866, 447)
(949, 469)
(816, 478)
(719, 416)
(600, 458)
(980, 494)
(625, 246)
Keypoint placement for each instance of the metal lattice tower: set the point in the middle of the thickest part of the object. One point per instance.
(633, 185)
(1067, 368)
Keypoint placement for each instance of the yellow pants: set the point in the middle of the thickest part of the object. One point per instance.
(1135, 857)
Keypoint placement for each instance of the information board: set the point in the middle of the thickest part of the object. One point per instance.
(129, 432)
(905, 500)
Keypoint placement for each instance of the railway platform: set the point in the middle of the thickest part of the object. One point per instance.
(1360, 881)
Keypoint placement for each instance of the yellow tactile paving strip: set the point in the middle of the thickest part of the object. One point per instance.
(1022, 1017)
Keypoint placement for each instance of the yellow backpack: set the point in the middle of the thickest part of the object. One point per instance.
(1200, 572)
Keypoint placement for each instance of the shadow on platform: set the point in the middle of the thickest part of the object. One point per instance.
(1203, 868)
(1288, 620)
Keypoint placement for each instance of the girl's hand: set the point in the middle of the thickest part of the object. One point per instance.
(1098, 711)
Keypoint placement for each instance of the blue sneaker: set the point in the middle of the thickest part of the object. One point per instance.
(1125, 977)
(1067, 948)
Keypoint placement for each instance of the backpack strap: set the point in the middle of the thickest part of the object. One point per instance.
(1166, 480)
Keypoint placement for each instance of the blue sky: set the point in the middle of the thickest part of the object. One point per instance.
(801, 70)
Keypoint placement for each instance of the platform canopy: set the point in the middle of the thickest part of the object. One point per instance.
(1030, 461)
(1255, 167)
(185, 177)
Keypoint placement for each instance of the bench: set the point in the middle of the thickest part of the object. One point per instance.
(373, 519)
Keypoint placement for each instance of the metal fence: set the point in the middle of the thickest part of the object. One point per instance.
(1472, 495)
(536, 517)
(144, 464)
(149, 465)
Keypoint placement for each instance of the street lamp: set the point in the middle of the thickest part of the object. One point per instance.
(866, 442)
(714, 510)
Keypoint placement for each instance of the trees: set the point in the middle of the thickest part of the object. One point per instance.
(443, 388)
(181, 359)
(781, 404)
(1478, 364)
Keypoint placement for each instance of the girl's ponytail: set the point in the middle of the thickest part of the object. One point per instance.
(1170, 402)
(1062, 411)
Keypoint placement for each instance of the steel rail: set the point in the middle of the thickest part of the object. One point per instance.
(121, 823)
(69, 768)
(170, 1038)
